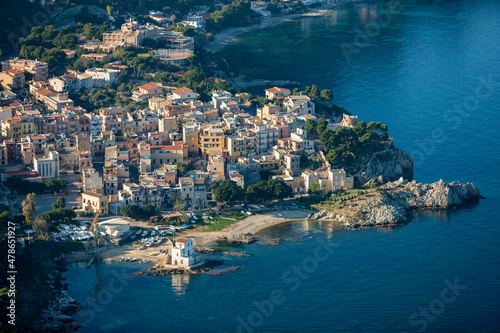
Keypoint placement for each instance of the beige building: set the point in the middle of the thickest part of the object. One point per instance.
(212, 141)
(15, 128)
(12, 79)
(190, 135)
(241, 145)
(94, 202)
(147, 91)
(39, 70)
(329, 180)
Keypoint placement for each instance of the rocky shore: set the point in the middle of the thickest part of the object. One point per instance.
(209, 250)
(398, 199)
(161, 269)
(246, 238)
(57, 316)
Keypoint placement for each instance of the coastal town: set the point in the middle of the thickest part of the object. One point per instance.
(128, 137)
(159, 152)
(122, 137)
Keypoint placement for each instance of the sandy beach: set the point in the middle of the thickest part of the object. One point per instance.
(228, 36)
(249, 225)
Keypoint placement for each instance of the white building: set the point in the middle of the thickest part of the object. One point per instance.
(65, 83)
(47, 166)
(183, 254)
(114, 227)
(299, 104)
(102, 76)
(182, 95)
(95, 124)
(85, 80)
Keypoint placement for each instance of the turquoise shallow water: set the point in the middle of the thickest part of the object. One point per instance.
(410, 76)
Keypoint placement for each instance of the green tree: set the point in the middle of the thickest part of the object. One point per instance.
(264, 174)
(132, 211)
(314, 91)
(321, 125)
(54, 58)
(109, 10)
(60, 203)
(179, 205)
(227, 191)
(193, 60)
(314, 189)
(29, 208)
(326, 95)
(149, 210)
(311, 126)
(193, 77)
(222, 85)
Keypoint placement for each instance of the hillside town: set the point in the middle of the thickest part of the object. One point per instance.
(119, 129)
(135, 158)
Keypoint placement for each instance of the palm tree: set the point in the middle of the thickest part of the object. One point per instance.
(173, 18)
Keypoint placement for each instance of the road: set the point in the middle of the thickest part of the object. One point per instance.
(72, 195)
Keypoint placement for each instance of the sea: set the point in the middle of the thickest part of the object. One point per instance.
(430, 70)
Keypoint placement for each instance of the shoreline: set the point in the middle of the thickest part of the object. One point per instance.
(250, 225)
(229, 35)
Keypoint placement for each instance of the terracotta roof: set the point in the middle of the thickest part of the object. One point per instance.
(275, 90)
(179, 73)
(236, 175)
(210, 111)
(149, 86)
(44, 92)
(15, 71)
(182, 240)
(181, 91)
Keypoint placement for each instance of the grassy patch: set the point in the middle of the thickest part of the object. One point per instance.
(217, 224)
(237, 215)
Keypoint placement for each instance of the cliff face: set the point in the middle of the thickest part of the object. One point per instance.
(389, 165)
(398, 199)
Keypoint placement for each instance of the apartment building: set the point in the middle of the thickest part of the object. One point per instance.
(39, 70)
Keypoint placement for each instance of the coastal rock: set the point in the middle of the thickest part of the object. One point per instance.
(440, 194)
(385, 166)
(208, 250)
(271, 241)
(398, 199)
(161, 269)
(239, 239)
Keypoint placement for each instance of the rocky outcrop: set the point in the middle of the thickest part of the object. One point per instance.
(398, 199)
(388, 165)
(162, 269)
(438, 194)
(57, 317)
(239, 239)
(209, 250)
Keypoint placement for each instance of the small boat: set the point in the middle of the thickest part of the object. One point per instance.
(134, 259)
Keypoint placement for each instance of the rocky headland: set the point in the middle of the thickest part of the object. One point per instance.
(395, 201)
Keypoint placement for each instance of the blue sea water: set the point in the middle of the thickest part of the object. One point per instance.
(410, 74)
